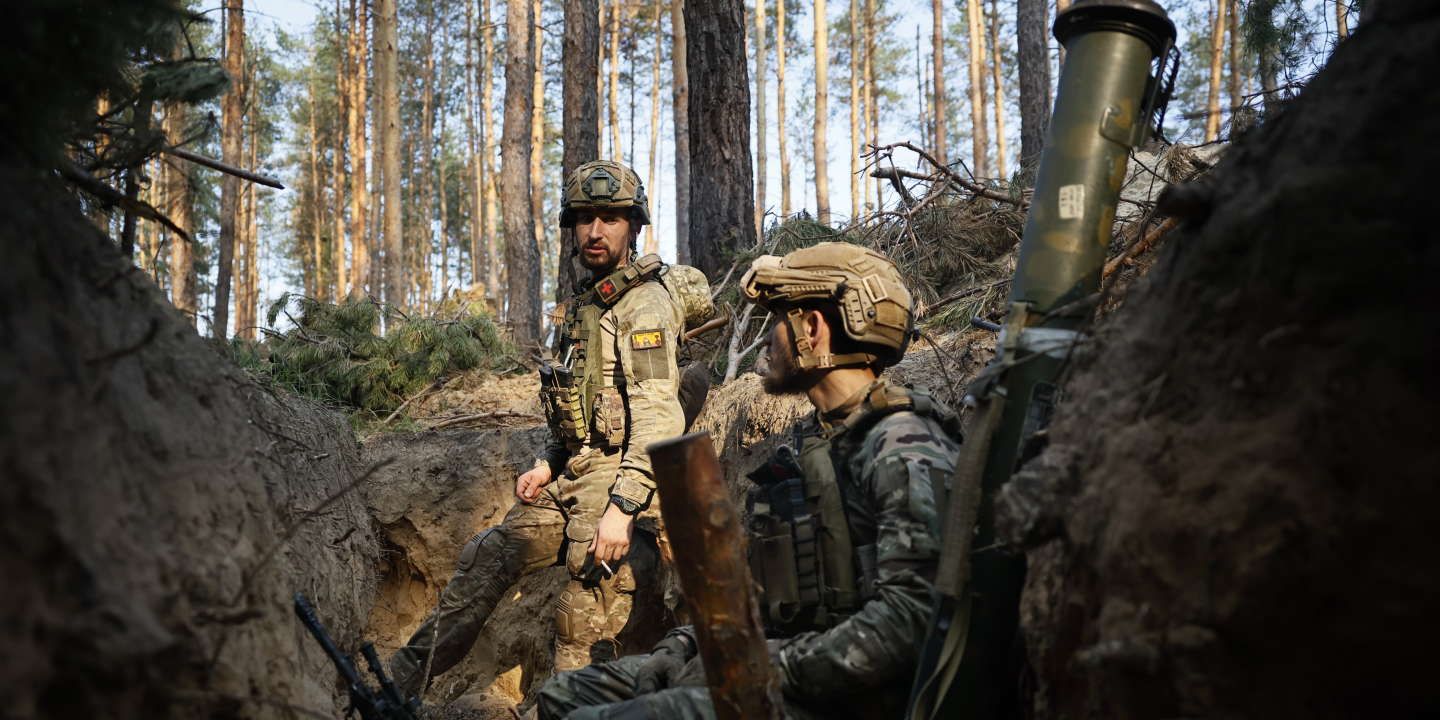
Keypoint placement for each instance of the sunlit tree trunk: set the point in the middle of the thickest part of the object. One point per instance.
(822, 109)
(979, 136)
(855, 103)
(337, 159)
(1342, 22)
(537, 137)
(315, 278)
(937, 105)
(1237, 68)
(359, 188)
(760, 170)
(180, 208)
(473, 143)
(387, 87)
(680, 101)
(487, 115)
(1001, 146)
(580, 124)
(780, 107)
(423, 174)
(1217, 47)
(872, 113)
(652, 241)
(1033, 55)
(521, 256)
(230, 153)
(614, 88)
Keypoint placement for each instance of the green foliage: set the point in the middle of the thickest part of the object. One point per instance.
(337, 353)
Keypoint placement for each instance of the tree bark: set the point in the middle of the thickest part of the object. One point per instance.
(1237, 69)
(337, 159)
(491, 212)
(230, 150)
(1342, 22)
(614, 89)
(979, 136)
(719, 112)
(359, 189)
(423, 173)
(180, 208)
(998, 83)
(780, 108)
(537, 140)
(1032, 29)
(937, 50)
(473, 143)
(680, 102)
(822, 109)
(855, 103)
(652, 244)
(387, 72)
(580, 122)
(521, 256)
(872, 113)
(1217, 47)
(760, 170)
(315, 277)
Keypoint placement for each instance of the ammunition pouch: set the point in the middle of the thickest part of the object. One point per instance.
(562, 402)
(800, 549)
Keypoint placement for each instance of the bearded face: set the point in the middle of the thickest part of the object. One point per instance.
(777, 365)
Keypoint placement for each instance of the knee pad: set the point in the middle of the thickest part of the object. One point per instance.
(492, 540)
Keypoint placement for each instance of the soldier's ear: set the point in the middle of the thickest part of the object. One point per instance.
(817, 330)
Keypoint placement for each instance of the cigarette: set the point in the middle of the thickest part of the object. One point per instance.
(605, 565)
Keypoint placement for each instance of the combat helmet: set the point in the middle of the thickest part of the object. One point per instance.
(864, 286)
(604, 184)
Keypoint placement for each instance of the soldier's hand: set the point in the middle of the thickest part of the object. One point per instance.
(530, 483)
(612, 537)
(658, 672)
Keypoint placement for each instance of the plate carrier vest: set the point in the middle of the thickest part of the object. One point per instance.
(811, 574)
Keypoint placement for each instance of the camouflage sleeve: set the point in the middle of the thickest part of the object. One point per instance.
(555, 456)
(901, 459)
(647, 329)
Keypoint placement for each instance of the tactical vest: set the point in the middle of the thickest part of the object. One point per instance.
(812, 575)
(572, 385)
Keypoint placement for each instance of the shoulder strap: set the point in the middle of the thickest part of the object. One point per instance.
(610, 289)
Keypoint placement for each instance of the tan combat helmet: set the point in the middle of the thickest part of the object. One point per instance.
(864, 286)
(604, 184)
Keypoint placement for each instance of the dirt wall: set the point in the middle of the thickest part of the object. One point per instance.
(158, 508)
(1233, 516)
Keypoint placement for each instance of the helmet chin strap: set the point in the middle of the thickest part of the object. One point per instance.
(808, 359)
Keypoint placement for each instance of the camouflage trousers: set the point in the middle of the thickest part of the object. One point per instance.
(556, 529)
(607, 692)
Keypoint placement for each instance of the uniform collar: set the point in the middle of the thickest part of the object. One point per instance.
(838, 419)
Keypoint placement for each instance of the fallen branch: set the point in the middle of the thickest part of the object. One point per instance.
(439, 383)
(1141, 246)
(974, 187)
(497, 415)
(113, 197)
(222, 167)
(710, 325)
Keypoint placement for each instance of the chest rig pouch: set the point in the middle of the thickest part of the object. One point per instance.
(812, 572)
(573, 393)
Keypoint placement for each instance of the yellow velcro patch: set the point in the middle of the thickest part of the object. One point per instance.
(647, 339)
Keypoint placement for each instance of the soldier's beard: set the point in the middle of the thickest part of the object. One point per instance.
(779, 373)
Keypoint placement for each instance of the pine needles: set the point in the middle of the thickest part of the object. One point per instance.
(337, 353)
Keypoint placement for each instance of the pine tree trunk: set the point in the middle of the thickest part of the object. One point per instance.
(423, 174)
(855, 103)
(487, 115)
(537, 141)
(315, 276)
(359, 189)
(680, 102)
(337, 159)
(652, 241)
(719, 113)
(252, 234)
(614, 89)
(1217, 47)
(231, 106)
(979, 137)
(472, 142)
(937, 50)
(780, 108)
(822, 109)
(521, 257)
(387, 82)
(998, 84)
(580, 124)
(760, 169)
(872, 113)
(180, 208)
(1237, 68)
(1032, 29)
(1342, 22)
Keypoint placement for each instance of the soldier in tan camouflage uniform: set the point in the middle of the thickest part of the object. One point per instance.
(609, 390)
(844, 529)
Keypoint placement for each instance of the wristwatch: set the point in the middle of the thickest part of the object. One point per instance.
(626, 505)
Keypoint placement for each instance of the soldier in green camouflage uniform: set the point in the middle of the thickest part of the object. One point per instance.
(609, 390)
(843, 523)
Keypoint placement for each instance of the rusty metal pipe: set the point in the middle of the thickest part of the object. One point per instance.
(709, 545)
